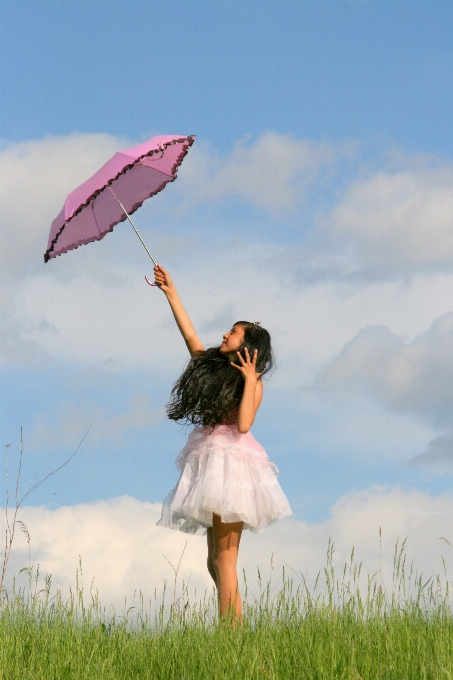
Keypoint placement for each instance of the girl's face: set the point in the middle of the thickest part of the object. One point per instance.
(232, 340)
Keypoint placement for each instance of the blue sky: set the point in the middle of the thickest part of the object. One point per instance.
(224, 70)
(317, 198)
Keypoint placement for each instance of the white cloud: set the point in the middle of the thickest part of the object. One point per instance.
(112, 320)
(438, 454)
(36, 176)
(91, 307)
(121, 547)
(397, 223)
(414, 377)
(273, 173)
(387, 224)
(410, 378)
(106, 315)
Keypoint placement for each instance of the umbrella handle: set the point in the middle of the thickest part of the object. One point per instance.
(149, 282)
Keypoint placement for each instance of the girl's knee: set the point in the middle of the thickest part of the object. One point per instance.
(225, 559)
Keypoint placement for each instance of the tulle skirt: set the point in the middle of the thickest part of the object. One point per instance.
(226, 473)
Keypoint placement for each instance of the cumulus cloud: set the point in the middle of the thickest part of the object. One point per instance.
(396, 223)
(90, 302)
(413, 377)
(123, 550)
(92, 307)
(36, 176)
(387, 224)
(272, 173)
(110, 318)
(438, 454)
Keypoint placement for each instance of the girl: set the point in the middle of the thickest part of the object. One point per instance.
(227, 482)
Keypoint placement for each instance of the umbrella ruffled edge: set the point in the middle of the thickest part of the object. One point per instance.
(187, 143)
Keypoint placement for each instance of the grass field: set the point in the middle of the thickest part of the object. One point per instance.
(335, 632)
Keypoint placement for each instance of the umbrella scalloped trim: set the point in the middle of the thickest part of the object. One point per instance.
(187, 143)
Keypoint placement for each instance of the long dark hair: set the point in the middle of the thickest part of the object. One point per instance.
(209, 391)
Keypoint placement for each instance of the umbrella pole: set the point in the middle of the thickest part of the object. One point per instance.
(135, 228)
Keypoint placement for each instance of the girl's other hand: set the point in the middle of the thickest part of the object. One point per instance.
(162, 278)
(247, 367)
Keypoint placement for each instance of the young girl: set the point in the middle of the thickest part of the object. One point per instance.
(227, 482)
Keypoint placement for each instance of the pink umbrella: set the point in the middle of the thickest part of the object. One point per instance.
(115, 191)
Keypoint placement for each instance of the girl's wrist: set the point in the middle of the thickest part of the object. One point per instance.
(252, 379)
(171, 292)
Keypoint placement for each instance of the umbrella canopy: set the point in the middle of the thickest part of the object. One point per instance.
(120, 186)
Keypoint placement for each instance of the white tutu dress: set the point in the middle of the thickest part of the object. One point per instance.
(226, 473)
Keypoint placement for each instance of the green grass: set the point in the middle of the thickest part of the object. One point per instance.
(335, 632)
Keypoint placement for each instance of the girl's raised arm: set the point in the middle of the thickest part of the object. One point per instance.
(163, 280)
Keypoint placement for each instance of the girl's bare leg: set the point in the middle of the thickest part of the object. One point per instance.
(225, 548)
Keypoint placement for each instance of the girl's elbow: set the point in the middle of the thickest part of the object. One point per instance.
(243, 430)
(244, 427)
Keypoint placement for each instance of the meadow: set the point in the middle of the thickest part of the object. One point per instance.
(346, 626)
